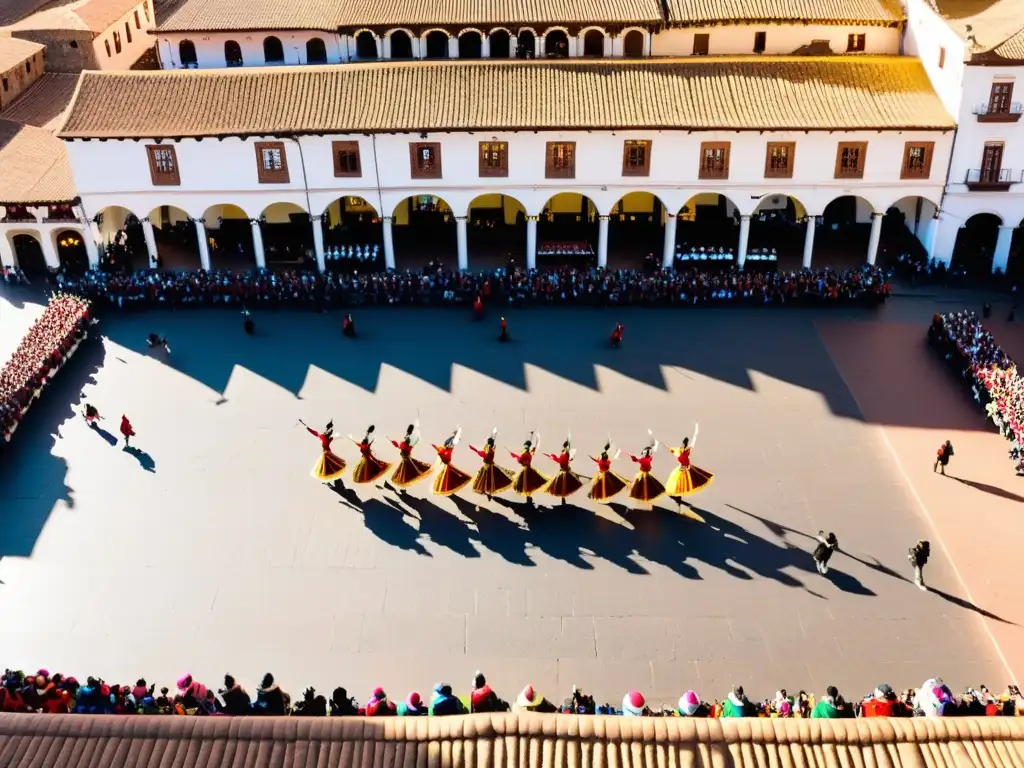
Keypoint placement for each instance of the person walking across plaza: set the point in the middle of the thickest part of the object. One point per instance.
(827, 545)
(504, 331)
(945, 453)
(247, 323)
(91, 415)
(918, 556)
(348, 327)
(126, 430)
(617, 335)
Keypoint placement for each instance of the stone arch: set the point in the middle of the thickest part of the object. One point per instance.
(500, 43)
(69, 245)
(366, 45)
(233, 54)
(593, 42)
(273, 50)
(401, 43)
(496, 228)
(177, 241)
(708, 220)
(634, 41)
(471, 42)
(636, 233)
(229, 236)
(435, 44)
(975, 244)
(186, 54)
(352, 235)
(556, 43)
(568, 228)
(316, 51)
(287, 234)
(423, 228)
(907, 224)
(27, 248)
(120, 237)
(526, 43)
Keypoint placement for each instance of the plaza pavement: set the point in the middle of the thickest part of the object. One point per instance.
(210, 548)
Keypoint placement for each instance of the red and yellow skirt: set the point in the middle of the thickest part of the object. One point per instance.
(646, 488)
(329, 468)
(491, 479)
(529, 481)
(565, 483)
(605, 485)
(408, 471)
(450, 480)
(686, 480)
(369, 469)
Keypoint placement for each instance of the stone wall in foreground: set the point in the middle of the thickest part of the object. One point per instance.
(505, 741)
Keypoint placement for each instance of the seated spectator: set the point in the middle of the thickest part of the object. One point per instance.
(736, 704)
(412, 706)
(933, 698)
(270, 699)
(579, 703)
(190, 692)
(445, 702)
(882, 704)
(831, 705)
(483, 699)
(530, 700)
(311, 704)
(235, 697)
(342, 705)
(690, 705)
(379, 705)
(634, 704)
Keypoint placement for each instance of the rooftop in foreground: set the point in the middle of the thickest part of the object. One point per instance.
(738, 93)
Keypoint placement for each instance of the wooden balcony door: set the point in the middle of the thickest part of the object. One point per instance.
(991, 163)
(999, 100)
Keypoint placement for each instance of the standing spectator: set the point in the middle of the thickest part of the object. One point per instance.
(270, 699)
(918, 556)
(235, 697)
(945, 453)
(823, 552)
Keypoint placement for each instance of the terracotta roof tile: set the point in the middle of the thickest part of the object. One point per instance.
(395, 12)
(740, 93)
(241, 15)
(12, 11)
(34, 166)
(991, 21)
(44, 103)
(1013, 48)
(14, 51)
(98, 15)
(689, 12)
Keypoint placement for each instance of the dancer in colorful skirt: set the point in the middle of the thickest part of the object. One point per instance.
(606, 483)
(490, 478)
(686, 478)
(566, 482)
(330, 467)
(450, 479)
(369, 467)
(409, 470)
(91, 415)
(646, 487)
(127, 431)
(529, 480)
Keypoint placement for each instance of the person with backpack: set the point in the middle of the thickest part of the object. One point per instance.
(918, 556)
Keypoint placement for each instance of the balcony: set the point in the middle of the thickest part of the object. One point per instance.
(998, 113)
(990, 181)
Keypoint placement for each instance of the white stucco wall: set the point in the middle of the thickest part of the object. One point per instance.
(219, 172)
(142, 40)
(738, 39)
(210, 47)
(926, 36)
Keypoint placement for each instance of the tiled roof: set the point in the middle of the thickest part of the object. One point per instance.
(12, 11)
(14, 51)
(44, 103)
(1012, 48)
(692, 12)
(34, 166)
(991, 22)
(98, 15)
(87, 15)
(355, 13)
(242, 15)
(777, 93)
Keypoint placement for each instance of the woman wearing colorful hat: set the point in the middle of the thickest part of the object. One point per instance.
(530, 700)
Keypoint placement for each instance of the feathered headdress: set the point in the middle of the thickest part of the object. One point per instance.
(453, 439)
(493, 437)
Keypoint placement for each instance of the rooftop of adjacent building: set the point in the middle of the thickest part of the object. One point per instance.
(83, 15)
(14, 52)
(996, 26)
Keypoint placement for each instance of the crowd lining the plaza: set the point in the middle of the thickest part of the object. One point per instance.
(987, 371)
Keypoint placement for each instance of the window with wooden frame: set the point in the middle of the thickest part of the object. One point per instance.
(493, 159)
(714, 160)
(636, 158)
(1000, 98)
(701, 44)
(850, 157)
(917, 160)
(163, 165)
(778, 159)
(856, 42)
(271, 162)
(346, 159)
(560, 160)
(425, 160)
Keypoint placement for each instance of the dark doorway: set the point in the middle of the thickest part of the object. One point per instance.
(29, 254)
(526, 45)
(273, 51)
(233, 54)
(976, 245)
(593, 43)
(556, 44)
(500, 44)
(633, 45)
(366, 46)
(316, 51)
(437, 45)
(187, 54)
(71, 252)
(401, 45)
(470, 45)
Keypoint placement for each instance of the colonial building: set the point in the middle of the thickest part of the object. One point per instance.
(614, 153)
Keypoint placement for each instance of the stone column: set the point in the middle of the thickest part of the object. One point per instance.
(485, 47)
(453, 47)
(741, 254)
(385, 47)
(147, 233)
(876, 236)
(318, 241)
(389, 243)
(1001, 257)
(809, 241)
(92, 249)
(668, 253)
(204, 244)
(460, 236)
(539, 46)
(602, 241)
(7, 251)
(49, 250)
(531, 242)
(930, 235)
(257, 244)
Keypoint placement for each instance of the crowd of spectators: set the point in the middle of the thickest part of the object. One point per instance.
(48, 344)
(43, 692)
(987, 371)
(512, 286)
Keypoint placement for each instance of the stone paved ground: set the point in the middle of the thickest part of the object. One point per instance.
(210, 548)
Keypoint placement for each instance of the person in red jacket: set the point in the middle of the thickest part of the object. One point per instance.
(478, 308)
(617, 335)
(450, 479)
(529, 480)
(330, 466)
(490, 478)
(126, 429)
(504, 331)
(645, 486)
(566, 482)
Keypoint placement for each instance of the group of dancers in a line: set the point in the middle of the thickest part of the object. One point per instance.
(491, 478)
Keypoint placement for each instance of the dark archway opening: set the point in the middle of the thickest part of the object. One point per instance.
(353, 238)
(593, 43)
(401, 45)
(496, 233)
(633, 44)
(273, 51)
(708, 223)
(526, 45)
(29, 255)
(316, 51)
(567, 231)
(233, 54)
(424, 233)
(556, 44)
(366, 46)
(976, 245)
(187, 54)
(501, 44)
(437, 45)
(470, 45)
(74, 259)
(635, 232)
